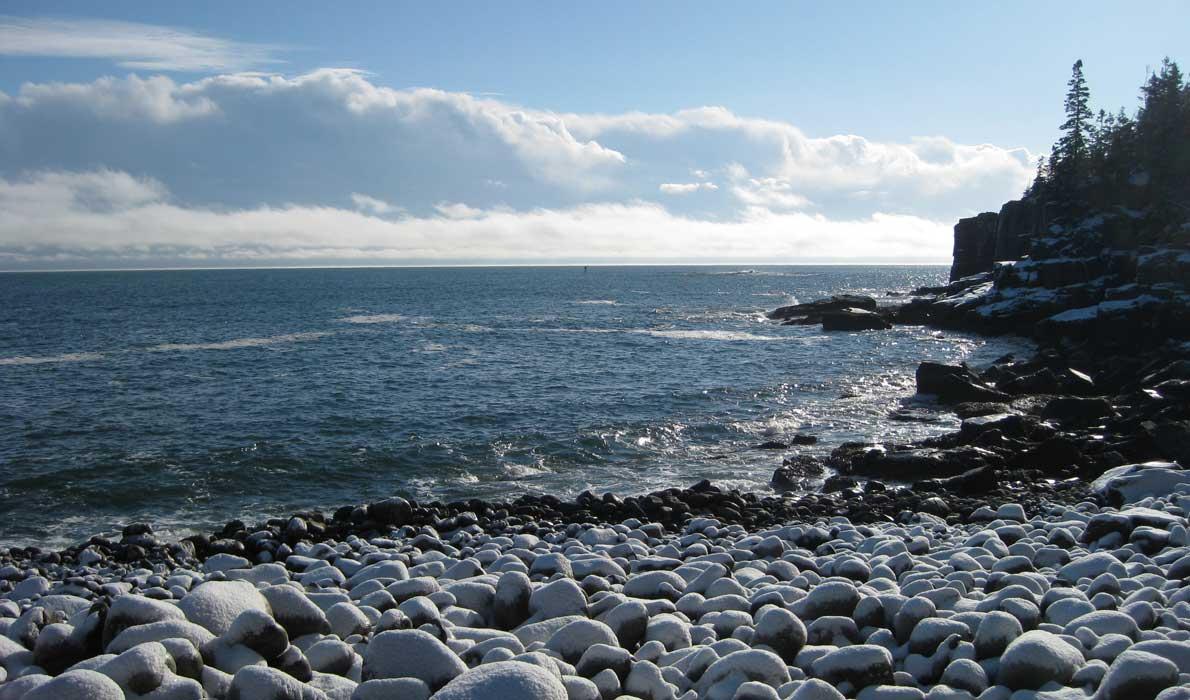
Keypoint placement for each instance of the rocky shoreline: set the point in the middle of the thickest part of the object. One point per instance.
(1040, 551)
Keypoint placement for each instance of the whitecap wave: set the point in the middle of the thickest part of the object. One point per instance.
(603, 302)
(50, 359)
(511, 470)
(374, 318)
(238, 343)
(708, 335)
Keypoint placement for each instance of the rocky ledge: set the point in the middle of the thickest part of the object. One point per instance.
(1066, 602)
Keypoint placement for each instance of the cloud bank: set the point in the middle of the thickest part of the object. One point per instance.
(330, 165)
(107, 215)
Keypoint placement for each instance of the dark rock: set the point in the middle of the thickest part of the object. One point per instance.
(971, 409)
(772, 445)
(795, 472)
(922, 462)
(980, 480)
(854, 320)
(1076, 410)
(838, 482)
(1056, 452)
(1006, 423)
(395, 511)
(812, 312)
(974, 245)
(954, 384)
(1016, 224)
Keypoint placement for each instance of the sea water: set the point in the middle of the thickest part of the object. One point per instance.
(188, 398)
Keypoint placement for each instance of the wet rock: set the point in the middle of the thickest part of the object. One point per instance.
(954, 384)
(811, 313)
(853, 319)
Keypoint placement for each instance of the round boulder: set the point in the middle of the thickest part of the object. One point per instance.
(411, 654)
(1036, 658)
(216, 604)
(504, 679)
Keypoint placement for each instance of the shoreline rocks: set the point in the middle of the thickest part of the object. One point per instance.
(1080, 600)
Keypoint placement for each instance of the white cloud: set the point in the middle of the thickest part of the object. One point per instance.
(131, 45)
(113, 216)
(321, 164)
(686, 187)
(457, 210)
(767, 192)
(156, 99)
(927, 166)
(371, 204)
(324, 105)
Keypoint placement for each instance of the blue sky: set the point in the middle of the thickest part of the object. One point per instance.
(131, 135)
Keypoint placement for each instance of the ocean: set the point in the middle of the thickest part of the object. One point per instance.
(189, 398)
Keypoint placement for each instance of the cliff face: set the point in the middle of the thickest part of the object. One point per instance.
(974, 245)
(1115, 281)
(980, 241)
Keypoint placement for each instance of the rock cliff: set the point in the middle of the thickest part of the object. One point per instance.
(1113, 281)
(981, 241)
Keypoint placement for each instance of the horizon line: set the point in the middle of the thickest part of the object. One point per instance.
(414, 266)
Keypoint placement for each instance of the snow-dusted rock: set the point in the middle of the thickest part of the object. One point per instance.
(1135, 482)
(860, 665)
(781, 631)
(815, 689)
(830, 598)
(575, 638)
(131, 610)
(159, 631)
(263, 683)
(505, 679)
(216, 604)
(389, 688)
(76, 685)
(294, 611)
(411, 654)
(725, 675)
(140, 669)
(1036, 658)
(1137, 675)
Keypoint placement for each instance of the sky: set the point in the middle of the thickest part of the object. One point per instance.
(255, 134)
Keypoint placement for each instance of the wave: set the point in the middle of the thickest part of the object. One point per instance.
(604, 302)
(707, 335)
(238, 343)
(49, 359)
(374, 318)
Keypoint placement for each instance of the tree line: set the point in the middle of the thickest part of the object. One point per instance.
(1105, 160)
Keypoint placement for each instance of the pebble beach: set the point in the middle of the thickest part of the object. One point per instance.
(1069, 602)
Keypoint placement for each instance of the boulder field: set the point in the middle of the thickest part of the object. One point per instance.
(1067, 602)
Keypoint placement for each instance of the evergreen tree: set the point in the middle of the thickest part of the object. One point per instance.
(1068, 161)
(1036, 189)
(1105, 161)
(1163, 128)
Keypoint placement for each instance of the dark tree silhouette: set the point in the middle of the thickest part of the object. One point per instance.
(1109, 161)
(1069, 158)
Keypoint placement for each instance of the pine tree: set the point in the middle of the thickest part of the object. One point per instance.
(1163, 127)
(1036, 189)
(1069, 159)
